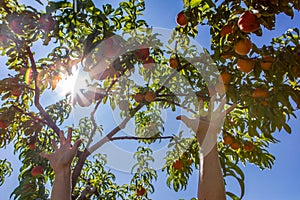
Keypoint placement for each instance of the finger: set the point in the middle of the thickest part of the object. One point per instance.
(211, 104)
(69, 137)
(45, 155)
(62, 137)
(200, 106)
(211, 107)
(190, 123)
(76, 144)
(54, 145)
(221, 106)
(179, 117)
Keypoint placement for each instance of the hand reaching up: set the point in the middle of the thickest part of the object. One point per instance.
(208, 127)
(211, 183)
(62, 156)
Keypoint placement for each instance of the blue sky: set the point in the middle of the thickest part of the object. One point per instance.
(282, 182)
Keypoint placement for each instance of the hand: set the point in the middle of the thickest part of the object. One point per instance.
(63, 156)
(208, 127)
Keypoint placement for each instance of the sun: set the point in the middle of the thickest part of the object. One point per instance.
(68, 84)
(73, 84)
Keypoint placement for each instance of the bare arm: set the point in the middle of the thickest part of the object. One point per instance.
(60, 162)
(211, 183)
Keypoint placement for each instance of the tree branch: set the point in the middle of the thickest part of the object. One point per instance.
(88, 190)
(231, 108)
(109, 136)
(37, 104)
(29, 114)
(140, 138)
(114, 131)
(94, 111)
(177, 104)
(83, 155)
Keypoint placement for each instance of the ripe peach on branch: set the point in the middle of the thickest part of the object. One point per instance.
(177, 165)
(243, 46)
(141, 191)
(37, 170)
(227, 29)
(260, 93)
(181, 19)
(245, 65)
(248, 22)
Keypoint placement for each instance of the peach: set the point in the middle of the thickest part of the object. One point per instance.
(260, 93)
(124, 105)
(266, 62)
(16, 91)
(177, 165)
(235, 145)
(32, 145)
(138, 97)
(181, 19)
(264, 103)
(3, 124)
(245, 65)
(227, 29)
(173, 62)
(225, 77)
(142, 53)
(226, 55)
(248, 22)
(248, 146)
(37, 170)
(243, 46)
(150, 96)
(46, 23)
(227, 139)
(16, 26)
(141, 191)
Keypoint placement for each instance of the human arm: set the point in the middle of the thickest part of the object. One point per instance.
(211, 183)
(60, 162)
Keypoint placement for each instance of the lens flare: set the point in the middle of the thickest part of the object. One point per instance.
(28, 76)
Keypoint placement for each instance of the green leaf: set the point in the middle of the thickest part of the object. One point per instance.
(194, 3)
(232, 196)
(39, 1)
(53, 6)
(287, 128)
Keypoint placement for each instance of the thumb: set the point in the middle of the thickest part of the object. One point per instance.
(190, 123)
(76, 144)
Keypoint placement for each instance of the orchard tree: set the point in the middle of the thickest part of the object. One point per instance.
(125, 64)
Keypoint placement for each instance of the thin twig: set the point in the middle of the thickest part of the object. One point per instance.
(176, 104)
(140, 138)
(95, 109)
(231, 108)
(122, 125)
(89, 190)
